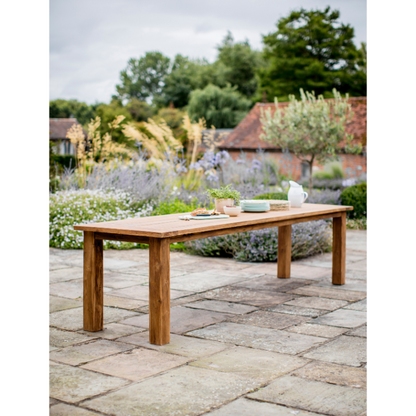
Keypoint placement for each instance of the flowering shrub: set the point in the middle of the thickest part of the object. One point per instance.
(68, 208)
(308, 239)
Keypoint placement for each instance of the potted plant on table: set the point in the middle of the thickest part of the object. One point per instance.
(225, 196)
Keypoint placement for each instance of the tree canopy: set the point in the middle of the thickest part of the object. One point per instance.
(71, 109)
(220, 107)
(144, 77)
(240, 64)
(311, 128)
(312, 50)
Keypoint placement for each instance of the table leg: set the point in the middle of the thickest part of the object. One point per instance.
(93, 300)
(284, 251)
(159, 291)
(339, 227)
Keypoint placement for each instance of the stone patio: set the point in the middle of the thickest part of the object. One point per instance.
(242, 341)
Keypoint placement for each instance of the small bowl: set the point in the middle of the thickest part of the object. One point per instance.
(232, 211)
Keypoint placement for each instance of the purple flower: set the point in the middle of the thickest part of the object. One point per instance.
(212, 178)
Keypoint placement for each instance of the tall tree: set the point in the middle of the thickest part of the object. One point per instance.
(144, 77)
(312, 128)
(220, 107)
(187, 75)
(241, 63)
(311, 50)
(71, 108)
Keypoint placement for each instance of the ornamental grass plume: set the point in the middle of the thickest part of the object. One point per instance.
(158, 139)
(95, 148)
(194, 133)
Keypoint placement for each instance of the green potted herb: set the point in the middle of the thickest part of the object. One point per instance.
(225, 196)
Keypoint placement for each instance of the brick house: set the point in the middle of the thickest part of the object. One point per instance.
(58, 127)
(246, 137)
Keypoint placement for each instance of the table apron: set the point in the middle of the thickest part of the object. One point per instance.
(213, 233)
(244, 228)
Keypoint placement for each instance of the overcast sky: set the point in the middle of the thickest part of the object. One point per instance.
(92, 40)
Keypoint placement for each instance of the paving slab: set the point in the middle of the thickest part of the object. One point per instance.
(182, 319)
(309, 272)
(218, 306)
(354, 285)
(273, 284)
(359, 332)
(246, 407)
(63, 409)
(72, 319)
(202, 281)
(137, 364)
(66, 274)
(195, 266)
(179, 344)
(72, 289)
(314, 396)
(73, 384)
(251, 363)
(141, 292)
(79, 354)
(268, 319)
(357, 240)
(59, 304)
(62, 339)
(344, 350)
(256, 337)
(52, 402)
(248, 296)
(317, 330)
(334, 374)
(297, 310)
(326, 292)
(124, 303)
(143, 271)
(185, 391)
(355, 275)
(318, 303)
(358, 306)
(118, 281)
(345, 318)
(136, 254)
(114, 331)
(358, 265)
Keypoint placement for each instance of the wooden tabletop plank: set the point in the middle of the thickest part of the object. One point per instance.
(164, 226)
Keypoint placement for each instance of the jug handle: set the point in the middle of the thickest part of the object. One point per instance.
(305, 193)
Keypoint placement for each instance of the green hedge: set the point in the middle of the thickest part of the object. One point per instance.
(273, 195)
(356, 196)
(64, 160)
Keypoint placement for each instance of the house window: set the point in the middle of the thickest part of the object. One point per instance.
(304, 170)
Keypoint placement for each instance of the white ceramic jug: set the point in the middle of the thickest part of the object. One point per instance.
(296, 196)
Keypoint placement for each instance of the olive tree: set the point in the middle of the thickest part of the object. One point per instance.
(311, 128)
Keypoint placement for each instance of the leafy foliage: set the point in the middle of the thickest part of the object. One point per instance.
(143, 78)
(71, 109)
(225, 192)
(261, 245)
(311, 128)
(312, 50)
(68, 208)
(273, 195)
(331, 171)
(356, 196)
(220, 107)
(240, 63)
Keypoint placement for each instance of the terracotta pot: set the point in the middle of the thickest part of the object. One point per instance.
(221, 203)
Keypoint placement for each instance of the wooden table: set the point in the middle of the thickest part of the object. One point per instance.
(160, 231)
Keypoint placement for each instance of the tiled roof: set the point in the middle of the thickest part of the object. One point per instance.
(246, 135)
(58, 127)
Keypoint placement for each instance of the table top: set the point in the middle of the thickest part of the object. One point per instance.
(164, 226)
